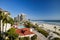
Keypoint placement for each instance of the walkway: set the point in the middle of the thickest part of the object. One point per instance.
(39, 35)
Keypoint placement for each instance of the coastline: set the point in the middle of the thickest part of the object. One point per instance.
(47, 26)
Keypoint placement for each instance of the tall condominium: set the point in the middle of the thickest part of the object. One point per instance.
(21, 17)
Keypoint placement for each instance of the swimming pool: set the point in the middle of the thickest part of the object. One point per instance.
(21, 26)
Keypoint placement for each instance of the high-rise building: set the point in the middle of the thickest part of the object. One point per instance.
(20, 18)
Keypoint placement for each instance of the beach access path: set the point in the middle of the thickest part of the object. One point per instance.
(39, 35)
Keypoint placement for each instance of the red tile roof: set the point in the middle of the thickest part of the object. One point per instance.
(24, 31)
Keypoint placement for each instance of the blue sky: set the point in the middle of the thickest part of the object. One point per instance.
(34, 9)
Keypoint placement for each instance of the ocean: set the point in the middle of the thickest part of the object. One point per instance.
(54, 22)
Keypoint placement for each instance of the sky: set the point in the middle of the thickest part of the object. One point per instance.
(34, 9)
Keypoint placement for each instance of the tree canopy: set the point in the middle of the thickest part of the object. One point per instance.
(12, 33)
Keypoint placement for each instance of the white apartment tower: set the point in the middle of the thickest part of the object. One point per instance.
(20, 18)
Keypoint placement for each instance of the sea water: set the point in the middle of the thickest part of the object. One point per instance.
(54, 22)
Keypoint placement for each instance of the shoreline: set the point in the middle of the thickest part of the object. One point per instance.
(47, 26)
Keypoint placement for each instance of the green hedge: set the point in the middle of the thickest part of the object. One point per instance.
(34, 37)
(24, 38)
(41, 31)
(21, 38)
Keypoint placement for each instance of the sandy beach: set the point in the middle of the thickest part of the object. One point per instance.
(48, 26)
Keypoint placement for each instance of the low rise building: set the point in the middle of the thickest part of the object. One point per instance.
(24, 32)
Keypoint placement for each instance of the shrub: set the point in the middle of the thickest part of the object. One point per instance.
(56, 33)
(42, 31)
(21, 38)
(12, 33)
(1, 37)
(24, 38)
(56, 39)
(28, 24)
(34, 37)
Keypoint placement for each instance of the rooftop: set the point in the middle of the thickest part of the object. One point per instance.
(24, 31)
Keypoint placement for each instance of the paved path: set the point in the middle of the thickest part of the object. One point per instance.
(39, 35)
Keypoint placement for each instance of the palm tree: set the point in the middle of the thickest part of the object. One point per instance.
(59, 29)
(55, 28)
(4, 16)
(11, 21)
(7, 19)
(1, 18)
(36, 25)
